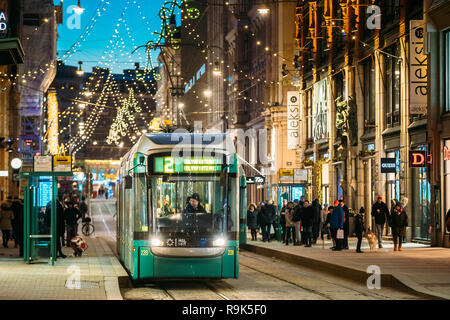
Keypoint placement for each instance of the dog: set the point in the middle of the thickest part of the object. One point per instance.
(372, 238)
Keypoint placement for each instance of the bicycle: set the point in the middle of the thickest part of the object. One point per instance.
(88, 227)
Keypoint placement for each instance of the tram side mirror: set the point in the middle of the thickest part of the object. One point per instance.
(128, 182)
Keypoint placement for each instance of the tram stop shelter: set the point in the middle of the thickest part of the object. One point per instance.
(40, 215)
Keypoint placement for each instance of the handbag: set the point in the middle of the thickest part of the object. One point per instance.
(340, 234)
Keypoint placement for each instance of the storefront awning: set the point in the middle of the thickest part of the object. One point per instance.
(11, 51)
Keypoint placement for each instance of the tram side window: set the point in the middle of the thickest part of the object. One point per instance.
(141, 209)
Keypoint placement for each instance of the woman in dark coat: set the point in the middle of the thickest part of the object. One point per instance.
(399, 222)
(359, 228)
(252, 220)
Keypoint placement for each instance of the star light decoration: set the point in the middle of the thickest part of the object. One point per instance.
(123, 119)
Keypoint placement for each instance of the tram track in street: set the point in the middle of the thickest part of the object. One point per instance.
(302, 282)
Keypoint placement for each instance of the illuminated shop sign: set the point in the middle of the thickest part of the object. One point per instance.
(446, 153)
(417, 159)
(187, 165)
(388, 165)
(3, 24)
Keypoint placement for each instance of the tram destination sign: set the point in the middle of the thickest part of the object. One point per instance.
(187, 165)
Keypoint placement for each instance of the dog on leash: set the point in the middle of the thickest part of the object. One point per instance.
(372, 238)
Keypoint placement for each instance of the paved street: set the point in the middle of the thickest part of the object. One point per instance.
(98, 269)
(263, 276)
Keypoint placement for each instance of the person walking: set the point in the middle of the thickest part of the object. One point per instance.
(359, 228)
(346, 224)
(275, 220)
(71, 215)
(296, 220)
(83, 208)
(283, 219)
(336, 224)
(327, 225)
(316, 210)
(307, 222)
(252, 220)
(323, 219)
(290, 224)
(267, 215)
(380, 213)
(17, 208)
(60, 227)
(6, 216)
(399, 222)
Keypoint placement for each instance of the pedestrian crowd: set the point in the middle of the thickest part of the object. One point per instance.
(69, 211)
(302, 223)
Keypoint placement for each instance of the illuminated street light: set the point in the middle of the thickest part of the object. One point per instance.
(216, 71)
(82, 105)
(87, 93)
(80, 71)
(207, 93)
(181, 105)
(263, 11)
(78, 9)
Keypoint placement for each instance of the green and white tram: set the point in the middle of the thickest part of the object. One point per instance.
(157, 237)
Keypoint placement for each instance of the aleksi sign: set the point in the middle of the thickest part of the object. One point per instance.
(417, 159)
(293, 119)
(419, 68)
(388, 165)
(3, 24)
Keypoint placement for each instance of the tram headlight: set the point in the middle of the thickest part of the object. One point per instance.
(156, 242)
(219, 242)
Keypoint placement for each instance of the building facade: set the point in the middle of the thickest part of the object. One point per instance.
(357, 107)
(438, 49)
(11, 56)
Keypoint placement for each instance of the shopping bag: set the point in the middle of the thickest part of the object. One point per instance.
(340, 234)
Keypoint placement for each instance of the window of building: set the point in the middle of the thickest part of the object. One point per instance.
(392, 86)
(309, 115)
(447, 71)
(446, 194)
(369, 93)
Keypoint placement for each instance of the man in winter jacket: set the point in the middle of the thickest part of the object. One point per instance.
(71, 216)
(267, 216)
(380, 213)
(307, 222)
(337, 223)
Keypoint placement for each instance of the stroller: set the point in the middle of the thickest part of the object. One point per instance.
(78, 245)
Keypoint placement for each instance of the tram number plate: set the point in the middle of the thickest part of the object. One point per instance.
(175, 242)
(144, 252)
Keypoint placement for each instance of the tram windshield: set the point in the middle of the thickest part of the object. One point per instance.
(188, 205)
